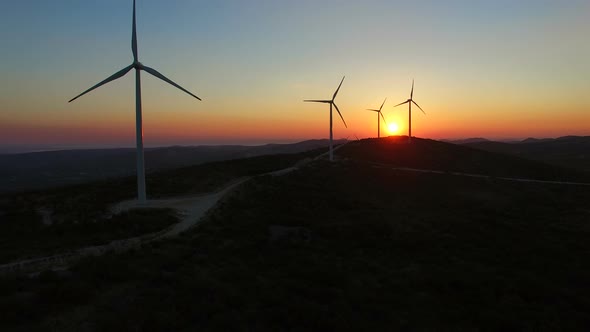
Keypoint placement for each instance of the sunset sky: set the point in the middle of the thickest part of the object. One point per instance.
(496, 69)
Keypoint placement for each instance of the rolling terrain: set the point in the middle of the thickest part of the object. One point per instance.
(567, 151)
(352, 245)
(49, 221)
(39, 170)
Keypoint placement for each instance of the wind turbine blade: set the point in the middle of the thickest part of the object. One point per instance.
(418, 107)
(165, 79)
(337, 110)
(113, 77)
(335, 93)
(405, 102)
(412, 92)
(382, 117)
(368, 109)
(382, 105)
(134, 37)
(317, 101)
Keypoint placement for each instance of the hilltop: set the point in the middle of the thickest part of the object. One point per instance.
(358, 244)
(436, 155)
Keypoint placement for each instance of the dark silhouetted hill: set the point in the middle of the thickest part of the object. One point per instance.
(437, 155)
(343, 246)
(567, 151)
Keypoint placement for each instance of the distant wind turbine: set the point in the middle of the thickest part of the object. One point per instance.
(138, 66)
(331, 102)
(409, 102)
(379, 120)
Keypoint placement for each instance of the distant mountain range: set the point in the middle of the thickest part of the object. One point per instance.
(37, 170)
(566, 151)
(466, 140)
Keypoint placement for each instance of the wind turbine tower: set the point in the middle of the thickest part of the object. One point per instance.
(332, 103)
(379, 120)
(409, 102)
(138, 66)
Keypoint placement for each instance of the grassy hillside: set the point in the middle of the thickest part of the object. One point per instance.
(342, 246)
(48, 221)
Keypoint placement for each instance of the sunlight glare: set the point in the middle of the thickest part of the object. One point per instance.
(393, 128)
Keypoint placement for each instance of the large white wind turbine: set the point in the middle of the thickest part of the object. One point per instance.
(138, 66)
(379, 120)
(409, 102)
(331, 102)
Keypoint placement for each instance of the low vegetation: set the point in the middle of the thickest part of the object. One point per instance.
(29, 239)
(383, 250)
(50, 221)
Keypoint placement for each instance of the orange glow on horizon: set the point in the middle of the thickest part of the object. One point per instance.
(229, 124)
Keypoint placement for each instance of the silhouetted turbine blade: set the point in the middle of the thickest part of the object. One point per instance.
(418, 107)
(317, 101)
(382, 105)
(412, 92)
(165, 79)
(382, 117)
(337, 110)
(335, 93)
(134, 37)
(368, 109)
(113, 77)
(405, 102)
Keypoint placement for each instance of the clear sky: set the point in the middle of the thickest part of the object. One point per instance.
(496, 69)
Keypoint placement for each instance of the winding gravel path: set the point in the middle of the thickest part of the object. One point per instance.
(191, 208)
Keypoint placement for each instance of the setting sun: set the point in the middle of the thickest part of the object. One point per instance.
(393, 128)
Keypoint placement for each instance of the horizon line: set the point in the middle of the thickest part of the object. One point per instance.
(40, 147)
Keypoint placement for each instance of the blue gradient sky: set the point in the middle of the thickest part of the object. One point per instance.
(496, 69)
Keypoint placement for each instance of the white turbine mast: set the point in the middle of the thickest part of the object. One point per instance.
(138, 66)
(409, 102)
(332, 103)
(379, 120)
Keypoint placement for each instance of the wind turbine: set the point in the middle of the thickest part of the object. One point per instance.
(409, 102)
(138, 66)
(379, 120)
(331, 102)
